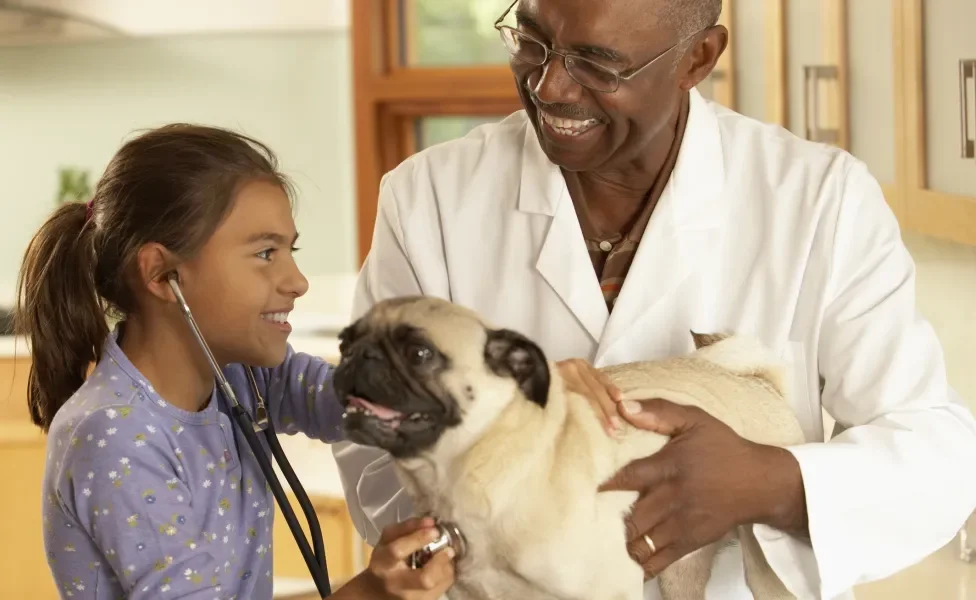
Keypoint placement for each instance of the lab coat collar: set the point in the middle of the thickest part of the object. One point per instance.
(676, 236)
(696, 179)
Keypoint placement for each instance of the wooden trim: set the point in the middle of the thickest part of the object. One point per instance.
(834, 27)
(896, 196)
(913, 79)
(942, 216)
(777, 84)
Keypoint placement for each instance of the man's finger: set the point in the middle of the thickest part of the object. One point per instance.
(641, 475)
(599, 392)
(661, 416)
(615, 394)
(661, 560)
(648, 513)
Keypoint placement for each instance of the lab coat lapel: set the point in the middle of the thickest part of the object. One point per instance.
(563, 260)
(683, 230)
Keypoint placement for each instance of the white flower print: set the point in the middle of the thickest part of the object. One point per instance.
(111, 413)
(151, 428)
(210, 466)
(91, 475)
(89, 437)
(86, 492)
(140, 443)
(170, 530)
(111, 431)
(114, 378)
(179, 498)
(113, 475)
(101, 443)
(124, 460)
(206, 483)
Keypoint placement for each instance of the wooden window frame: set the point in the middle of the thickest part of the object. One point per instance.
(389, 97)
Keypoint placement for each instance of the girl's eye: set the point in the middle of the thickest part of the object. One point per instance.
(265, 254)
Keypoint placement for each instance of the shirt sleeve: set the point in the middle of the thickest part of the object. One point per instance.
(300, 398)
(133, 505)
(897, 483)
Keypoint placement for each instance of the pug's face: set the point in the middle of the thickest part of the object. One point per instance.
(419, 373)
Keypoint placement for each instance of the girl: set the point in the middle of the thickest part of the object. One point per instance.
(149, 491)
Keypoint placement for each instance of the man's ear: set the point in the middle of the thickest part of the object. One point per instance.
(511, 354)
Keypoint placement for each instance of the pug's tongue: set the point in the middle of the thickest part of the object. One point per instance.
(382, 412)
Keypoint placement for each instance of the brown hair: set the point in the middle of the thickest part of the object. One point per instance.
(173, 186)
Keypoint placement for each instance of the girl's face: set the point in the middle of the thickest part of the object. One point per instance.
(244, 281)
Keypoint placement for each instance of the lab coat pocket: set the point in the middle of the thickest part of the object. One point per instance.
(794, 358)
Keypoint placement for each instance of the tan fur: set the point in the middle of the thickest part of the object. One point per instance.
(521, 481)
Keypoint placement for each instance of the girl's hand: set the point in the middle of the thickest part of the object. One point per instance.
(584, 379)
(389, 577)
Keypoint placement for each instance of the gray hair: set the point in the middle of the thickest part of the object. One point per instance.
(686, 18)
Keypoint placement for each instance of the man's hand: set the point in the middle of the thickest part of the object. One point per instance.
(702, 484)
(586, 380)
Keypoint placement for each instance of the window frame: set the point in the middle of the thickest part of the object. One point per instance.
(389, 97)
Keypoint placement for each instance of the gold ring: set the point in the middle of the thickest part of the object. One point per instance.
(650, 544)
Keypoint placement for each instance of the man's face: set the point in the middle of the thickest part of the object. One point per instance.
(581, 129)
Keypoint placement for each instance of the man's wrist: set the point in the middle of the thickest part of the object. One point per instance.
(780, 494)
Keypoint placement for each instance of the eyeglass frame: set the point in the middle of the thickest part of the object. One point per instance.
(552, 51)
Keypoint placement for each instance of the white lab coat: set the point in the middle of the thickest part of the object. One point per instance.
(757, 232)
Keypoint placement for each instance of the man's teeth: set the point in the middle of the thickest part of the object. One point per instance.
(279, 317)
(568, 126)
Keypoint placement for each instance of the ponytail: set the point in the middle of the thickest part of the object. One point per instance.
(59, 311)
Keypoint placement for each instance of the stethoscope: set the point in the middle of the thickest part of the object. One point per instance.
(314, 554)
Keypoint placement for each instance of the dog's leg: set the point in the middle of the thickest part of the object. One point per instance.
(687, 578)
(762, 580)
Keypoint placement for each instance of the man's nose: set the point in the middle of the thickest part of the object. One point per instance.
(553, 83)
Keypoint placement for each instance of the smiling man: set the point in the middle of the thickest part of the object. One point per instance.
(620, 210)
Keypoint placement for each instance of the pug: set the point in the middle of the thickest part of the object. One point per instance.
(484, 433)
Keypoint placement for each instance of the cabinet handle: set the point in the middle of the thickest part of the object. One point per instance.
(967, 73)
(812, 76)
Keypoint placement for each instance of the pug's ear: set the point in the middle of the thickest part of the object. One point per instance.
(511, 354)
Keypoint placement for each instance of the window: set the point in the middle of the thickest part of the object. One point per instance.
(425, 71)
(434, 130)
(438, 33)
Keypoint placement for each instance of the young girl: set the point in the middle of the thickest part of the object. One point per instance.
(149, 490)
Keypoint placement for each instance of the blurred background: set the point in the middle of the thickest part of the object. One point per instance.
(343, 90)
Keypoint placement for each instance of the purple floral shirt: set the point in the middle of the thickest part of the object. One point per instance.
(144, 500)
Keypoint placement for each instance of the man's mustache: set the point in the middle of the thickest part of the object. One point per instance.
(565, 111)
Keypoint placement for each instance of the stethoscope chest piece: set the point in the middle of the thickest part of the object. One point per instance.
(450, 536)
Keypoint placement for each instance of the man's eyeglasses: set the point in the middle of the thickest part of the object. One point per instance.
(588, 73)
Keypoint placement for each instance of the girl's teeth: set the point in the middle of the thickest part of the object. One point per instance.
(281, 317)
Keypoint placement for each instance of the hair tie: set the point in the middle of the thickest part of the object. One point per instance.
(89, 210)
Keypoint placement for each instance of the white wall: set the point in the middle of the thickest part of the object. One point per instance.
(73, 105)
(946, 287)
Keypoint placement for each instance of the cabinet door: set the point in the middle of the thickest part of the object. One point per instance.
(871, 90)
(940, 89)
(751, 52)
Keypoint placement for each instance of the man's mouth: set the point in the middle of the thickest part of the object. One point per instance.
(387, 416)
(568, 127)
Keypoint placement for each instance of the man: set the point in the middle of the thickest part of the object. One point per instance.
(620, 210)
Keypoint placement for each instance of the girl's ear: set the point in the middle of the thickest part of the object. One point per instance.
(154, 264)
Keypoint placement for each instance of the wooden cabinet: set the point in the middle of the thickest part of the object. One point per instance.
(892, 81)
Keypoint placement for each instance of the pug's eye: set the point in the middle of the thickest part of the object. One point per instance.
(418, 354)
